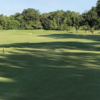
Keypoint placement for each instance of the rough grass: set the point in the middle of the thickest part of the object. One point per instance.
(49, 65)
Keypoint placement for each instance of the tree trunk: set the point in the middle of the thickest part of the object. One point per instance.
(77, 27)
(76, 30)
(92, 33)
(58, 23)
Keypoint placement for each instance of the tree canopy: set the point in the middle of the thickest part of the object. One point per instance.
(31, 19)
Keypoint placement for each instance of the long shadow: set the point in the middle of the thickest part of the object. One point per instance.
(56, 45)
(50, 75)
(76, 36)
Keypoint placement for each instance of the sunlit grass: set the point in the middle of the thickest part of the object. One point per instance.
(2, 79)
(49, 65)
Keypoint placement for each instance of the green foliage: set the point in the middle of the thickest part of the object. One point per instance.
(4, 20)
(13, 24)
(92, 30)
(62, 27)
(57, 18)
(30, 14)
(65, 27)
(68, 28)
(98, 7)
(19, 17)
(12, 17)
(77, 20)
(86, 28)
(91, 17)
(46, 23)
(1, 27)
(31, 19)
(28, 27)
(37, 25)
(53, 24)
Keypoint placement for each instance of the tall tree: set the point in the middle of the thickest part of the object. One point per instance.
(98, 7)
(30, 16)
(4, 20)
(77, 20)
(45, 21)
(91, 17)
(58, 16)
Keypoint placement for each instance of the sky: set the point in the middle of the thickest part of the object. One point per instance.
(10, 7)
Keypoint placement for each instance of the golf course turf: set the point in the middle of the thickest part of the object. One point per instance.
(49, 65)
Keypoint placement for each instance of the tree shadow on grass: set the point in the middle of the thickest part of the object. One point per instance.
(75, 36)
(56, 45)
(38, 74)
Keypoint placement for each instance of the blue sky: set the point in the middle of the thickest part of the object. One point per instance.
(9, 7)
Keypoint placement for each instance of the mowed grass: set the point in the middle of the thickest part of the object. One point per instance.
(49, 65)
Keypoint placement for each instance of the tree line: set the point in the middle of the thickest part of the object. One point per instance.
(31, 19)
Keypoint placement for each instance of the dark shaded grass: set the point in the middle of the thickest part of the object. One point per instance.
(56, 45)
(75, 36)
(48, 75)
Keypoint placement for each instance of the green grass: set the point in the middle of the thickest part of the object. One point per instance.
(49, 65)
